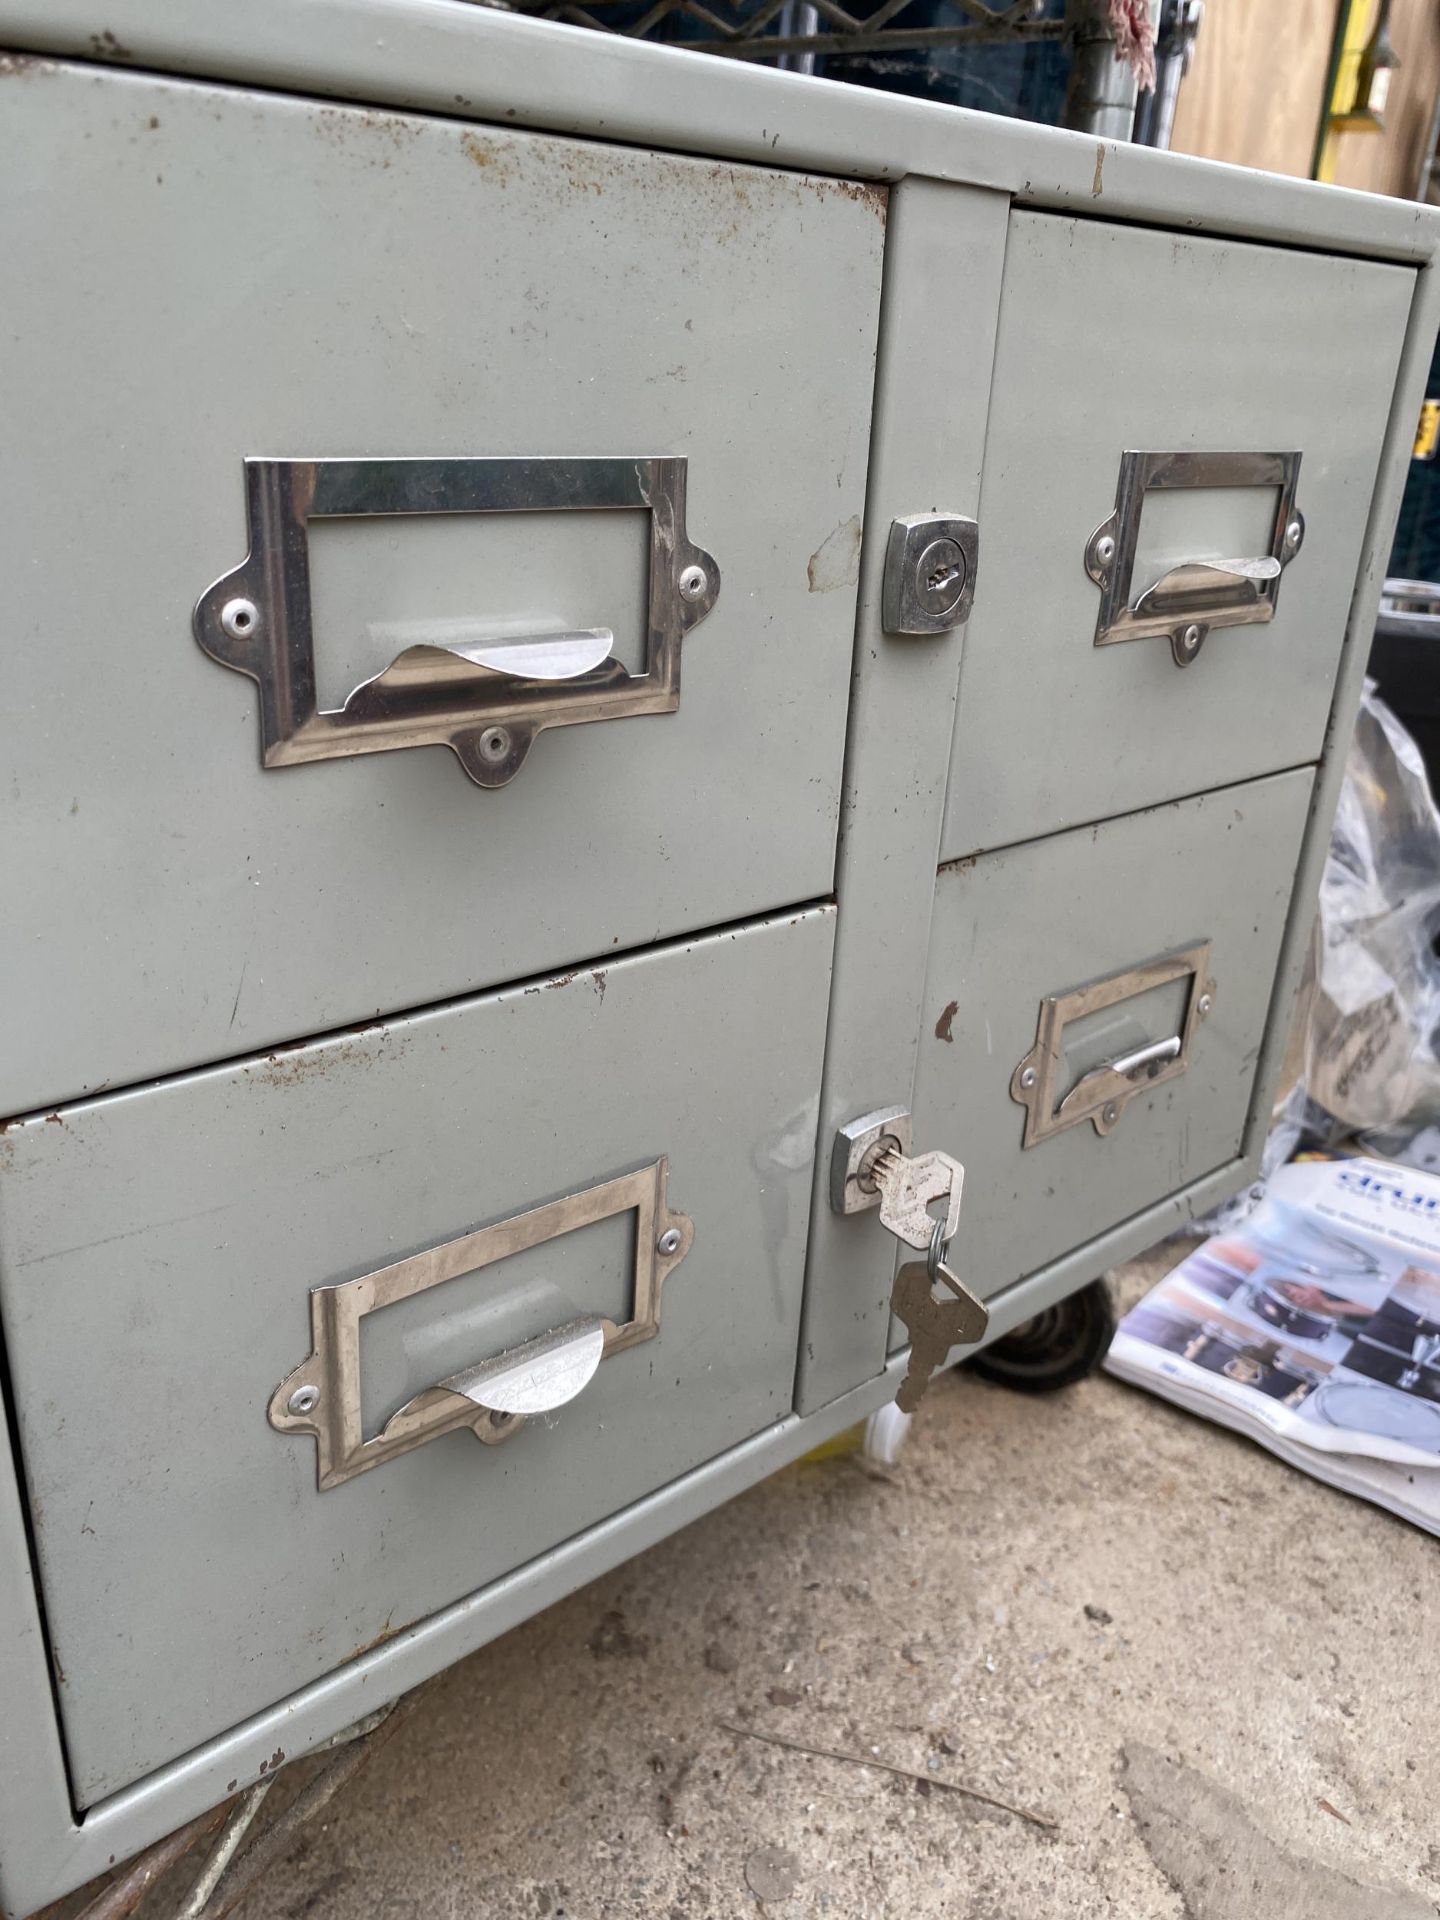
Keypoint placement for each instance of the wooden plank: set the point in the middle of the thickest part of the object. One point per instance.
(1256, 84)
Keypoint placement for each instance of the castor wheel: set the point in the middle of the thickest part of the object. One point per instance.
(1056, 1348)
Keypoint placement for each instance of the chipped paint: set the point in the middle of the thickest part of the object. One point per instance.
(835, 562)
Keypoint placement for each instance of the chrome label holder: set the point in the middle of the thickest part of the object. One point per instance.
(1102, 1095)
(1202, 593)
(257, 618)
(321, 1397)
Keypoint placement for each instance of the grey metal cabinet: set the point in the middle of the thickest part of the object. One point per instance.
(490, 800)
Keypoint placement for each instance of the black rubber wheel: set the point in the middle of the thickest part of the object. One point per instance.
(1056, 1348)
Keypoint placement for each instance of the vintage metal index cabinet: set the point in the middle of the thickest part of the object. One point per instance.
(595, 643)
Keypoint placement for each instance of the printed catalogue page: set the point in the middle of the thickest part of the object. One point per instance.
(1315, 1328)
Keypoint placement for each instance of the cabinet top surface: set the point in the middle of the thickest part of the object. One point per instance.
(468, 61)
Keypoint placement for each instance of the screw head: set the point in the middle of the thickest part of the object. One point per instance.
(1204, 1004)
(669, 1241)
(693, 582)
(940, 576)
(239, 618)
(1104, 550)
(1185, 643)
(495, 744)
(1028, 1078)
(304, 1400)
(1110, 1113)
(1294, 533)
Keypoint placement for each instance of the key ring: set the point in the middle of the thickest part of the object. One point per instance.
(935, 1258)
(936, 1269)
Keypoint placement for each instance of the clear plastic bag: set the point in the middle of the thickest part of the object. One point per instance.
(1370, 1044)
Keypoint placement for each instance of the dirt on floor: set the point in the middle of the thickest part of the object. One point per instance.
(1207, 1684)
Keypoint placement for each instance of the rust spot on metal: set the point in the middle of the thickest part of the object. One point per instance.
(865, 193)
(105, 46)
(942, 1025)
(291, 1061)
(277, 1759)
(740, 199)
(374, 136)
(387, 1632)
(1097, 185)
(599, 979)
(53, 1120)
(492, 160)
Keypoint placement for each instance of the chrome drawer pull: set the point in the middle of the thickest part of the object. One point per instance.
(1102, 1094)
(321, 1397)
(485, 699)
(1199, 594)
(1131, 1066)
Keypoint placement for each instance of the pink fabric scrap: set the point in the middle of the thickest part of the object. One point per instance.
(1134, 37)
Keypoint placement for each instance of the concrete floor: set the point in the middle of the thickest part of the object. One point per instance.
(1216, 1677)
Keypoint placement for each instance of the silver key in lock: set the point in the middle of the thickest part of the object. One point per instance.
(871, 1166)
(908, 1190)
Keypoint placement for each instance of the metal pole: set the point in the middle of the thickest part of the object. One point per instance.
(1101, 94)
(1174, 46)
(798, 20)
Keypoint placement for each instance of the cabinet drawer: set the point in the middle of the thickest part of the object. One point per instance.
(245, 277)
(1121, 341)
(1062, 959)
(157, 1256)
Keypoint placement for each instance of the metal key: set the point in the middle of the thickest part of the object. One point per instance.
(934, 1326)
(870, 1166)
(908, 1189)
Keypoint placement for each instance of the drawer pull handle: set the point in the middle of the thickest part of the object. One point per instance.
(1199, 594)
(1102, 1094)
(485, 699)
(1139, 1065)
(321, 1397)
